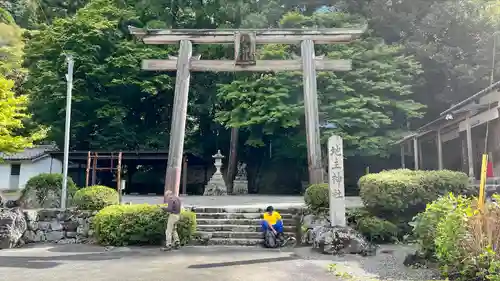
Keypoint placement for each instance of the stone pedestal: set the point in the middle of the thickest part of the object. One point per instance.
(240, 184)
(216, 186)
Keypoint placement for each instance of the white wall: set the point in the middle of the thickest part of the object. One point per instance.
(29, 169)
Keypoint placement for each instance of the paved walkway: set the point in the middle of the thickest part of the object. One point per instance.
(236, 201)
(92, 263)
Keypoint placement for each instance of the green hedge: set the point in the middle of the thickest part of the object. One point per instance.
(95, 197)
(140, 224)
(401, 194)
(317, 197)
(44, 191)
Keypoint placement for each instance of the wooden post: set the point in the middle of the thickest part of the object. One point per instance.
(403, 156)
(415, 152)
(470, 158)
(420, 156)
(118, 176)
(439, 143)
(178, 128)
(482, 183)
(184, 175)
(87, 170)
(311, 111)
(233, 156)
(94, 169)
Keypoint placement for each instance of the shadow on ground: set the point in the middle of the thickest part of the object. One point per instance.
(37, 262)
(242, 262)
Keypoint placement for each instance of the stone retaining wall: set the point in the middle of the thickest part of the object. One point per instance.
(58, 226)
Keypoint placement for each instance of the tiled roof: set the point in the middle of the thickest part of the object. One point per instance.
(28, 153)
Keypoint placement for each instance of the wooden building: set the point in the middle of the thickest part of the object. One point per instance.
(457, 138)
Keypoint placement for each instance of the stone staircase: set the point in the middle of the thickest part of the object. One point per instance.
(238, 226)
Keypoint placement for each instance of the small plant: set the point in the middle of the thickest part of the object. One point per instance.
(425, 224)
(44, 191)
(95, 197)
(377, 230)
(317, 197)
(140, 224)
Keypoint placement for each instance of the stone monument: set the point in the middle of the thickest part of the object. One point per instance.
(334, 236)
(216, 186)
(240, 183)
(336, 181)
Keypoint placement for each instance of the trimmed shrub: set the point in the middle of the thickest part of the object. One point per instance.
(377, 230)
(425, 224)
(141, 224)
(317, 197)
(44, 191)
(95, 197)
(401, 194)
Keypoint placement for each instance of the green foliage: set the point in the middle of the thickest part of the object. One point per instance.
(120, 225)
(95, 197)
(426, 223)
(401, 194)
(44, 191)
(366, 105)
(377, 230)
(317, 197)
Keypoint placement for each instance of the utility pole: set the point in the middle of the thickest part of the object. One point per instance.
(69, 80)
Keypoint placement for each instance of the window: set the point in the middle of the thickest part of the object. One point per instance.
(15, 169)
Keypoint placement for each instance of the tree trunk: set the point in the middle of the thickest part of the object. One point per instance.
(233, 156)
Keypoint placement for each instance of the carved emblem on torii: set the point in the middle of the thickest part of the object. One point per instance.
(244, 48)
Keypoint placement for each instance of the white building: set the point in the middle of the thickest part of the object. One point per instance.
(16, 169)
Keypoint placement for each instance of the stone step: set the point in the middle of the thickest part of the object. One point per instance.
(237, 228)
(242, 210)
(253, 222)
(235, 242)
(237, 235)
(235, 216)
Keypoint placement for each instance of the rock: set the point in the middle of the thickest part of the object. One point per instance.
(240, 187)
(44, 226)
(29, 236)
(70, 226)
(56, 225)
(67, 241)
(340, 240)
(71, 234)
(312, 221)
(33, 200)
(212, 189)
(12, 227)
(54, 236)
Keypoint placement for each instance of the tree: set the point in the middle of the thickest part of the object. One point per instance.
(367, 106)
(115, 104)
(12, 114)
(453, 40)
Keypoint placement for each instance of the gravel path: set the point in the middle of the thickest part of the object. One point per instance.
(387, 265)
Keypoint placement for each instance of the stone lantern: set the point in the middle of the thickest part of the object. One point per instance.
(216, 185)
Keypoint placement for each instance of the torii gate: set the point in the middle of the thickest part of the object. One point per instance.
(245, 41)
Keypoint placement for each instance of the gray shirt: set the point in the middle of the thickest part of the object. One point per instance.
(173, 205)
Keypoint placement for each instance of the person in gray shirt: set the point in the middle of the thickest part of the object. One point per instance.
(174, 209)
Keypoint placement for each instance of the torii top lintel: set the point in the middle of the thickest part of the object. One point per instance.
(262, 36)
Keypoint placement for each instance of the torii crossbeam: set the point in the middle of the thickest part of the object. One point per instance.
(245, 41)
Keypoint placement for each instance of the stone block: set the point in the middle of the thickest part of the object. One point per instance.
(47, 214)
(70, 234)
(240, 187)
(340, 240)
(54, 236)
(55, 225)
(70, 226)
(44, 226)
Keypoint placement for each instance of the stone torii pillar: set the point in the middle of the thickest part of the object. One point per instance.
(245, 41)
